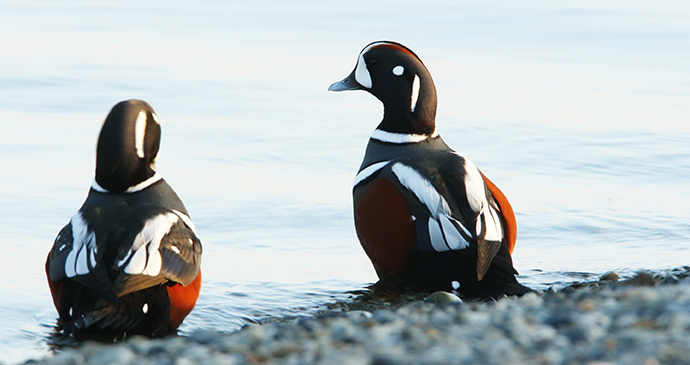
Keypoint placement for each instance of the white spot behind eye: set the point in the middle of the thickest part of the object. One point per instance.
(415, 92)
(145, 308)
(175, 249)
(140, 133)
(398, 70)
(455, 284)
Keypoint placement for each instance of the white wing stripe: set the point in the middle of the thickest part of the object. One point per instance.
(70, 263)
(474, 187)
(443, 234)
(138, 263)
(82, 266)
(186, 220)
(436, 236)
(145, 257)
(83, 248)
(453, 237)
(494, 232)
(422, 188)
(464, 229)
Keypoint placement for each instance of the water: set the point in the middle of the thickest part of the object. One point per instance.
(579, 112)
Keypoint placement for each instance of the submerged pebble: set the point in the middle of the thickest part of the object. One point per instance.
(626, 322)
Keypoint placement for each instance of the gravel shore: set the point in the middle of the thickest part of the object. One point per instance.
(642, 320)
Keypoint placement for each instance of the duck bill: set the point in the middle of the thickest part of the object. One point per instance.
(348, 83)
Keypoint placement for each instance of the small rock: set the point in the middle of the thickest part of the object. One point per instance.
(443, 297)
(609, 276)
(112, 355)
(384, 316)
(358, 317)
(641, 279)
(588, 305)
(205, 337)
(70, 357)
(342, 330)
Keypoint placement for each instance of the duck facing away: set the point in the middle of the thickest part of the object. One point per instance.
(128, 261)
(424, 214)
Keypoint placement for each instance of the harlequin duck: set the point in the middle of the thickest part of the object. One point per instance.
(424, 214)
(128, 261)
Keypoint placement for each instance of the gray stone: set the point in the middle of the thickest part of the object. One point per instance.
(112, 355)
(443, 297)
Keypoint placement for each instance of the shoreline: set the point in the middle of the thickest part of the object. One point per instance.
(642, 320)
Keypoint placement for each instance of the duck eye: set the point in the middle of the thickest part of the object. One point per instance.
(372, 62)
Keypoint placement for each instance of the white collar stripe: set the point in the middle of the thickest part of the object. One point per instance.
(98, 188)
(132, 189)
(389, 137)
(144, 184)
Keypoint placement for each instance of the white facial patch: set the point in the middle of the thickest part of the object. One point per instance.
(368, 171)
(140, 133)
(443, 228)
(362, 75)
(398, 70)
(144, 257)
(415, 93)
(82, 258)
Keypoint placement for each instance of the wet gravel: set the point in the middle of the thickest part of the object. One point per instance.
(641, 320)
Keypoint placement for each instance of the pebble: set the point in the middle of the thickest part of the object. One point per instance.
(609, 276)
(640, 321)
(442, 297)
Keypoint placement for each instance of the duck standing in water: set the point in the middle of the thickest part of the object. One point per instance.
(424, 214)
(128, 262)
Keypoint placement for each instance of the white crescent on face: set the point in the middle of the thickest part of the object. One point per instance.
(362, 75)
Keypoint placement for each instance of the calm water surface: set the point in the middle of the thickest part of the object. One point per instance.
(580, 113)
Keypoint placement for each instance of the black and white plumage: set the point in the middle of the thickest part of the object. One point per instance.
(424, 214)
(128, 262)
